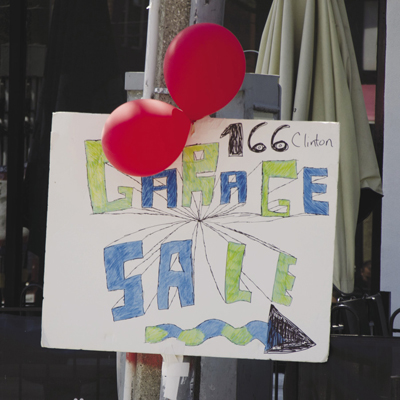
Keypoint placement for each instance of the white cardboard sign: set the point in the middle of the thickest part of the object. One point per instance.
(227, 253)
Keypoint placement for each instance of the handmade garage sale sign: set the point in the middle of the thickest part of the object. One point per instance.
(227, 253)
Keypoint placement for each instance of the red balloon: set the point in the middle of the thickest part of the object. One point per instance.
(144, 137)
(204, 68)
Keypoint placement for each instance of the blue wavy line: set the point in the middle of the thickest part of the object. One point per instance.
(213, 327)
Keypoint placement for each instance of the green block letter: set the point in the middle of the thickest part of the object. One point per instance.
(234, 261)
(95, 165)
(198, 159)
(276, 169)
(283, 280)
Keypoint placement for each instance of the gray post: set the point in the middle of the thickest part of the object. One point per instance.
(217, 375)
(207, 11)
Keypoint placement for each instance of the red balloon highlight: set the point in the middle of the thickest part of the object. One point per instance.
(204, 68)
(144, 137)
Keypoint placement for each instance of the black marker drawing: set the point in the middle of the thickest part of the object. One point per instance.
(284, 336)
(235, 132)
(258, 147)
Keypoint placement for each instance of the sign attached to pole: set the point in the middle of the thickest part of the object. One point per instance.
(227, 253)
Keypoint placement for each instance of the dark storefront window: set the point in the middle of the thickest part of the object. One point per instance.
(45, 91)
(364, 22)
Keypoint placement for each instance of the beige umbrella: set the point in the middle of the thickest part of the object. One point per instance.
(308, 44)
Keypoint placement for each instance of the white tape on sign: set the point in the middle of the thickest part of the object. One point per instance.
(173, 369)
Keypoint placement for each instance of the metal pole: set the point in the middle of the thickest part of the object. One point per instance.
(151, 49)
(207, 11)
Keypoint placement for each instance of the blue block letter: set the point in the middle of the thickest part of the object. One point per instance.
(240, 183)
(183, 280)
(148, 188)
(313, 206)
(114, 259)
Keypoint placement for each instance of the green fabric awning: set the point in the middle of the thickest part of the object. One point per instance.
(308, 44)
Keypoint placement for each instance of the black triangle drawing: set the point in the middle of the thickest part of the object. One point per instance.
(284, 336)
